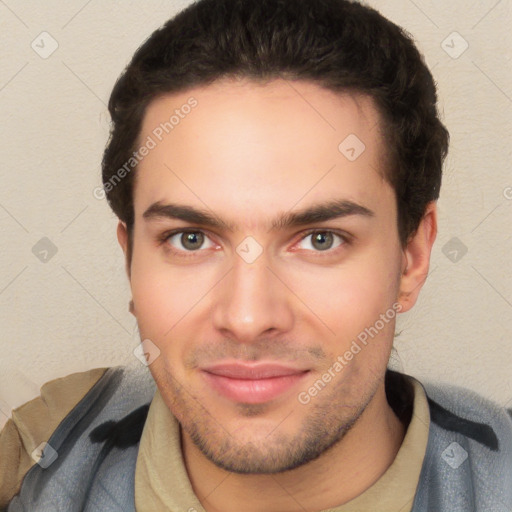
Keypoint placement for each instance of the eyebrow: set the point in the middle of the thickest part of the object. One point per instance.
(318, 213)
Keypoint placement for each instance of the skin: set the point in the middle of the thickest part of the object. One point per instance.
(248, 153)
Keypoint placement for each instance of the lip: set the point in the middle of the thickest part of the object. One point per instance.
(252, 383)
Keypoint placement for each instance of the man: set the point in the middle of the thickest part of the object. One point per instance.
(275, 167)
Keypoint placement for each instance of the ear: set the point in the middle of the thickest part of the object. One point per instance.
(416, 258)
(122, 238)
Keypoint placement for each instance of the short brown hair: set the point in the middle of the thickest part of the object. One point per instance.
(337, 44)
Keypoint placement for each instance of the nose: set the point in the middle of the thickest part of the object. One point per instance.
(252, 302)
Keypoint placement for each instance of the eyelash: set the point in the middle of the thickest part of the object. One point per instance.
(164, 237)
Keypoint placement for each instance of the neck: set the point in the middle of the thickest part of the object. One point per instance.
(340, 474)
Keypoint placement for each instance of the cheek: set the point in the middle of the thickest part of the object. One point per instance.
(166, 297)
(357, 291)
(152, 293)
(163, 306)
(346, 303)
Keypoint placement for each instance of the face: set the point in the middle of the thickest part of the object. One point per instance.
(263, 252)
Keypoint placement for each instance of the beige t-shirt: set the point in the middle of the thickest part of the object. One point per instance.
(162, 483)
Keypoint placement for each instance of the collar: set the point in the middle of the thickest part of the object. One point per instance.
(162, 483)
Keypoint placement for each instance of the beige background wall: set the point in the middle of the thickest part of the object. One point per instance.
(70, 313)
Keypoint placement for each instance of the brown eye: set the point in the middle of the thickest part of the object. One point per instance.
(192, 241)
(189, 241)
(322, 240)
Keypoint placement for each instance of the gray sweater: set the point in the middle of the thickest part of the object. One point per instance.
(467, 466)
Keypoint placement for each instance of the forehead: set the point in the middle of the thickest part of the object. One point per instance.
(293, 108)
(248, 147)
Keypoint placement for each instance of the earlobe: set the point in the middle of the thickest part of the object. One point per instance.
(122, 235)
(122, 238)
(416, 258)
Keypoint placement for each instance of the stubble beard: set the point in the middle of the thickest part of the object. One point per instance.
(326, 424)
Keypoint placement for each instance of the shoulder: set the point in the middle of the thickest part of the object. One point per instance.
(459, 409)
(468, 464)
(104, 408)
(35, 421)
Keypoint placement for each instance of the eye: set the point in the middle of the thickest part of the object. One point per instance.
(322, 240)
(189, 241)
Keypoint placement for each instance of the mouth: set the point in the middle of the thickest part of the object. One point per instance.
(252, 383)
